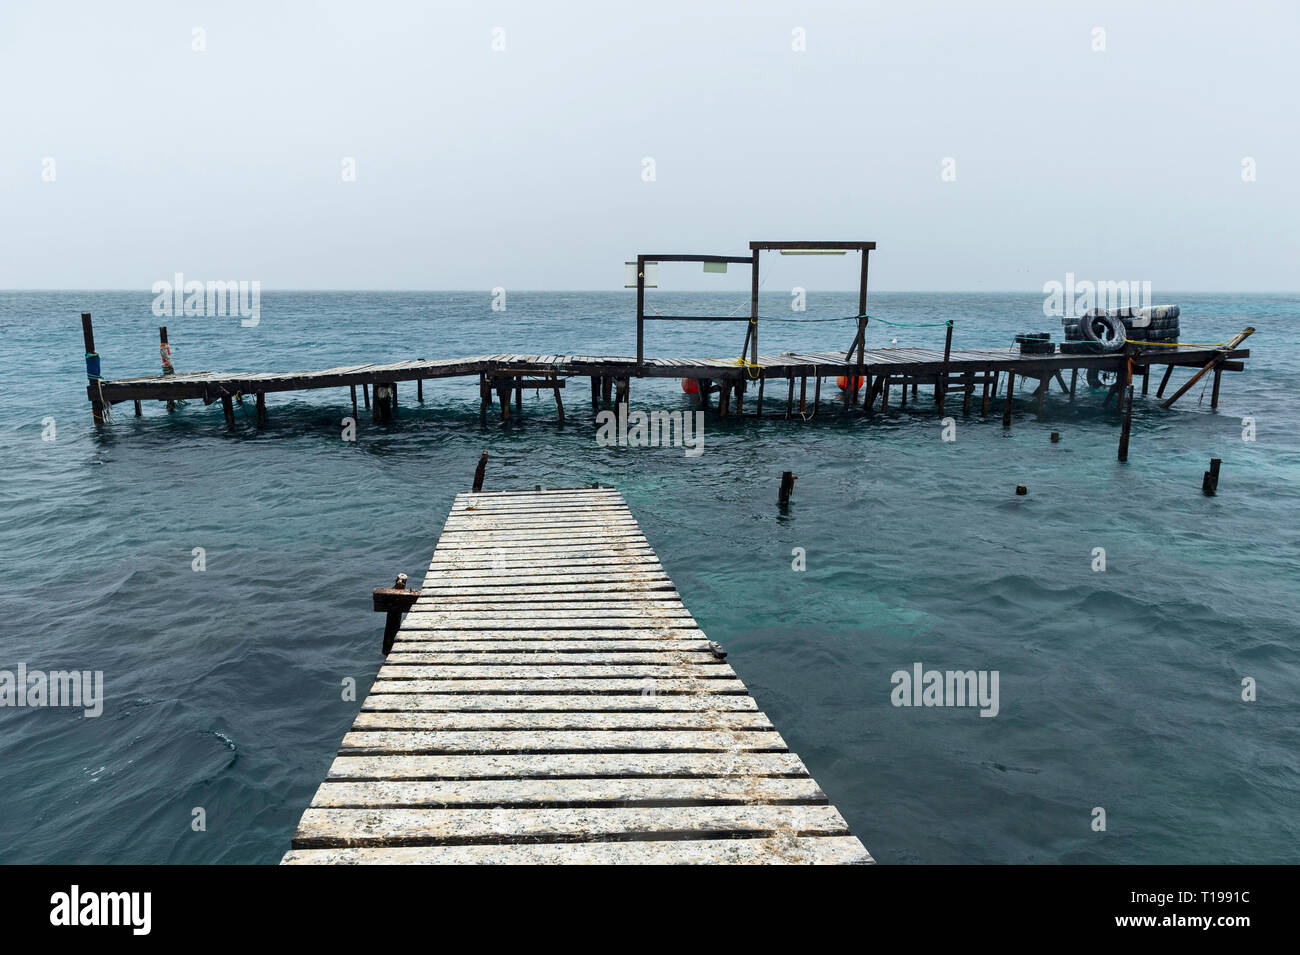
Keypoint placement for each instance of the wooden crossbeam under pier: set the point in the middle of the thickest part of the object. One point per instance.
(549, 699)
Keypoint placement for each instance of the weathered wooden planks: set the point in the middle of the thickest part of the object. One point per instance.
(561, 709)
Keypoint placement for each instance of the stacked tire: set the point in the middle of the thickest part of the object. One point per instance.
(1036, 343)
(1105, 330)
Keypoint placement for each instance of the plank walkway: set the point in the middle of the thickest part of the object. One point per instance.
(211, 386)
(549, 699)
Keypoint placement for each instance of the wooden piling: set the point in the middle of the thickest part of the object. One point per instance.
(595, 393)
(1127, 426)
(1210, 481)
(968, 388)
(803, 396)
(419, 390)
(352, 390)
(984, 401)
(761, 381)
(165, 356)
(1011, 391)
(228, 406)
(787, 488)
(1214, 392)
(97, 407)
(479, 472)
(817, 395)
(789, 400)
(941, 386)
(261, 409)
(365, 394)
(1074, 377)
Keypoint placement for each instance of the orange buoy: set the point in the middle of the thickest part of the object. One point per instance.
(690, 386)
(843, 382)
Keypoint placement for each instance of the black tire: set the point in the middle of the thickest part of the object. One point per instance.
(1104, 330)
(1101, 377)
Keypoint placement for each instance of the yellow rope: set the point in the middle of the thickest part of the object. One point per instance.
(747, 365)
(1131, 341)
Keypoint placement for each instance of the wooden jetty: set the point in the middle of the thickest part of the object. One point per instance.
(869, 373)
(549, 699)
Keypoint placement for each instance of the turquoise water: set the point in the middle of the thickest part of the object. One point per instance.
(1119, 689)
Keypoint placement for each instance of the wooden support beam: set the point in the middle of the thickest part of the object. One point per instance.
(595, 393)
(803, 396)
(365, 393)
(817, 395)
(419, 390)
(1214, 393)
(1233, 343)
(761, 381)
(140, 411)
(1074, 378)
(228, 406)
(353, 390)
(1169, 371)
(1011, 391)
(789, 400)
(479, 472)
(968, 386)
(261, 409)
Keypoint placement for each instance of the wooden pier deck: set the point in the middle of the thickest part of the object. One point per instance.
(955, 371)
(549, 699)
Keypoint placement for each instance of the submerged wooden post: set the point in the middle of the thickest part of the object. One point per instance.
(968, 388)
(789, 399)
(92, 369)
(1214, 392)
(817, 395)
(984, 402)
(1169, 370)
(419, 390)
(228, 407)
(1210, 482)
(352, 390)
(479, 472)
(761, 381)
(1127, 426)
(365, 394)
(261, 409)
(787, 487)
(595, 393)
(1074, 377)
(1006, 408)
(803, 395)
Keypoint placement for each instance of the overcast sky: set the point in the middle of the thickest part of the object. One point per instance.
(525, 167)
